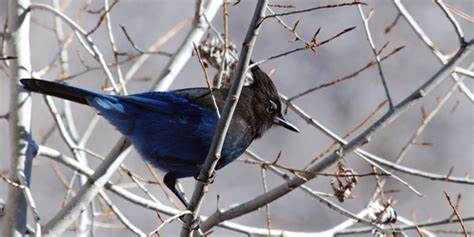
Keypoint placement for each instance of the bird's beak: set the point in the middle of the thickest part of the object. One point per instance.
(284, 123)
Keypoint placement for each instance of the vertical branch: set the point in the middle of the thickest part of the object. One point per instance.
(70, 127)
(223, 125)
(114, 45)
(14, 221)
(376, 55)
(223, 66)
(267, 207)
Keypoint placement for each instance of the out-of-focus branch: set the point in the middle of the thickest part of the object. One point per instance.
(89, 191)
(69, 118)
(138, 63)
(464, 72)
(214, 153)
(83, 38)
(122, 218)
(107, 9)
(179, 59)
(14, 220)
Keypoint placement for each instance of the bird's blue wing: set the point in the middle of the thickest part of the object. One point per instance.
(122, 111)
(166, 129)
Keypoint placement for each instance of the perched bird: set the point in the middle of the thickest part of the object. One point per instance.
(174, 130)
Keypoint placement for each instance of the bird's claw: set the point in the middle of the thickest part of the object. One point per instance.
(196, 225)
(210, 180)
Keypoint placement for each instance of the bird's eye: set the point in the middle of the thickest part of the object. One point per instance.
(272, 107)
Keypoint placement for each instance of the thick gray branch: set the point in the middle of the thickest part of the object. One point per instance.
(14, 221)
(224, 122)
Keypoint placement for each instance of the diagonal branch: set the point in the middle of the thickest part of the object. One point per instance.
(184, 52)
(223, 125)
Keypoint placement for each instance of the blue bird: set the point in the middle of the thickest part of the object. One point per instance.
(174, 130)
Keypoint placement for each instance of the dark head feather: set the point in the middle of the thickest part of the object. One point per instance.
(263, 100)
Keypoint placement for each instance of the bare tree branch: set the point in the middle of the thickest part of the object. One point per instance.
(214, 153)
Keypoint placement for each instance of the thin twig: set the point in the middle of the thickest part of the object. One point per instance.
(311, 46)
(460, 13)
(154, 47)
(365, 20)
(314, 8)
(208, 81)
(267, 207)
(460, 220)
(113, 44)
(137, 48)
(122, 218)
(223, 66)
(453, 21)
(161, 184)
(102, 18)
(167, 221)
(344, 78)
(349, 134)
(301, 171)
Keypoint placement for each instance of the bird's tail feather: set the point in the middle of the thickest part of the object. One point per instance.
(59, 90)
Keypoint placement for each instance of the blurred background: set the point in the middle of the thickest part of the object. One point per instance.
(340, 107)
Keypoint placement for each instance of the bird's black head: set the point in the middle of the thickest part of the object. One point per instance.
(266, 103)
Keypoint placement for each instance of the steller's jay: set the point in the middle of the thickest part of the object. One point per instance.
(174, 130)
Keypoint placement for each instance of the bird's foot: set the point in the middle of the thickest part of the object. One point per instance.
(208, 181)
(195, 225)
